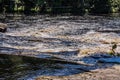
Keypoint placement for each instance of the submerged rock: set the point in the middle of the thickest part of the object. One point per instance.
(3, 27)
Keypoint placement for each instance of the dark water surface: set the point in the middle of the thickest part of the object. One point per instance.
(27, 68)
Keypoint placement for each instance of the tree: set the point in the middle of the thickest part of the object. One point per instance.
(28, 5)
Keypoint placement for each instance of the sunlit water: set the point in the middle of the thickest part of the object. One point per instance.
(39, 33)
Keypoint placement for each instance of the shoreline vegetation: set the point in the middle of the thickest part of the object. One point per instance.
(76, 7)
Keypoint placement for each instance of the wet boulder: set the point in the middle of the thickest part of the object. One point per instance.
(3, 27)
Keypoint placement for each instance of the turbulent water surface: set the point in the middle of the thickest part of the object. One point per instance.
(85, 40)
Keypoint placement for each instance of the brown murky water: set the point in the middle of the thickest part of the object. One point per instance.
(54, 37)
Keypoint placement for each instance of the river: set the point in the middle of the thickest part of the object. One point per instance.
(78, 41)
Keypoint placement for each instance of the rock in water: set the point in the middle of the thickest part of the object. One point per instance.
(3, 27)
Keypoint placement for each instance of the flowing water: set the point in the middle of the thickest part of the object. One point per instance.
(28, 68)
(53, 37)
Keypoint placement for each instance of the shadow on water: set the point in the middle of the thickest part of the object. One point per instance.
(14, 67)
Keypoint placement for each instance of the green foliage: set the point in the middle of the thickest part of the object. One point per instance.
(115, 5)
(104, 6)
(100, 6)
(61, 6)
(67, 6)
